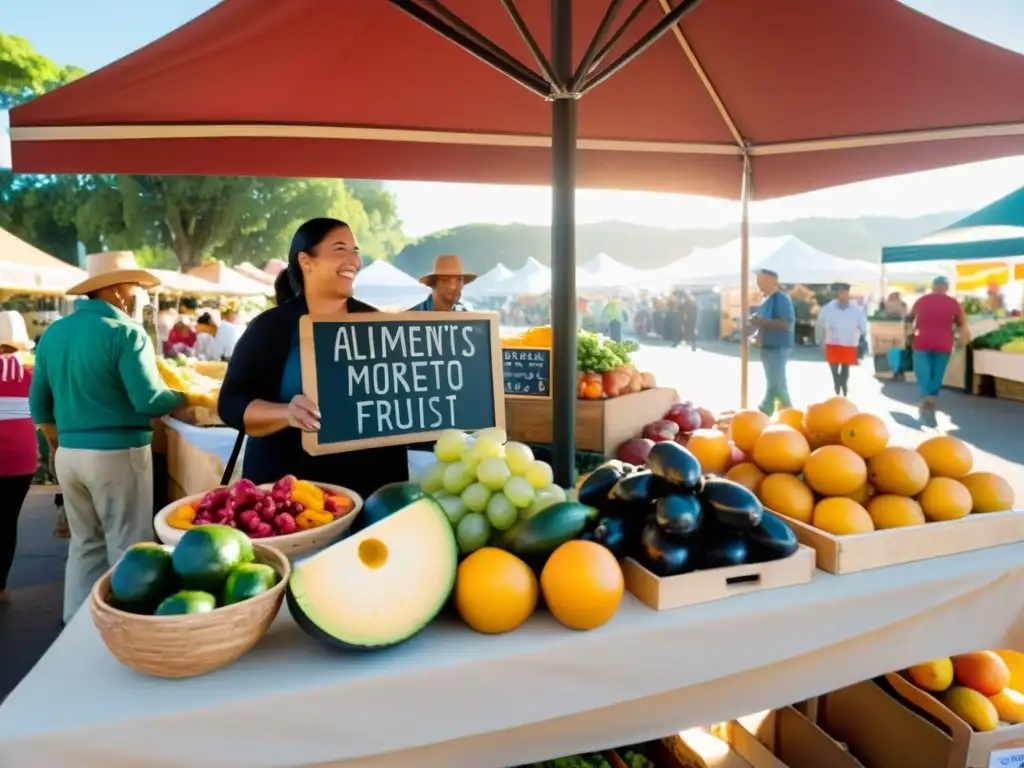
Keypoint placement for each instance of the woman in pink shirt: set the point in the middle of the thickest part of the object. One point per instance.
(935, 315)
(18, 448)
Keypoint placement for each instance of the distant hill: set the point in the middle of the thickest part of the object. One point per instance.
(481, 246)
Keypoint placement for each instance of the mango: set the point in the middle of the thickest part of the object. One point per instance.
(1014, 661)
(1009, 705)
(983, 671)
(973, 708)
(935, 675)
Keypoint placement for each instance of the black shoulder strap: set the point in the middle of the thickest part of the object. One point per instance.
(229, 469)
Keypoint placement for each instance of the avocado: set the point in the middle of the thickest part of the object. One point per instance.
(594, 489)
(642, 486)
(186, 601)
(247, 580)
(617, 534)
(732, 504)
(660, 554)
(723, 550)
(142, 578)
(378, 587)
(385, 501)
(547, 530)
(205, 555)
(675, 465)
(679, 515)
(771, 539)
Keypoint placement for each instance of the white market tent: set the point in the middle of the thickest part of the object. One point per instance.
(604, 274)
(176, 282)
(385, 285)
(254, 273)
(532, 279)
(490, 283)
(26, 269)
(228, 282)
(791, 258)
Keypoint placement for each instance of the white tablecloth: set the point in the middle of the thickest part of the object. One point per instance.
(457, 699)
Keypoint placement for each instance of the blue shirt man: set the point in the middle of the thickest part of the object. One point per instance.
(775, 321)
(446, 282)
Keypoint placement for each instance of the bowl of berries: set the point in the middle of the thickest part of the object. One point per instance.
(293, 516)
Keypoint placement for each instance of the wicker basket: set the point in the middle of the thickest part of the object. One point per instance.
(298, 543)
(1007, 389)
(194, 644)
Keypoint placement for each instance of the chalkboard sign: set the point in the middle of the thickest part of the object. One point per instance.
(527, 372)
(398, 378)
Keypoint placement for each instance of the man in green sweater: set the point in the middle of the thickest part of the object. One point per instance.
(95, 390)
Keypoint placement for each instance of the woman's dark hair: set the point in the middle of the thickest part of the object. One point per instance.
(306, 238)
(206, 319)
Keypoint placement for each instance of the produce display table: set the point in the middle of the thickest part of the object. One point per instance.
(458, 699)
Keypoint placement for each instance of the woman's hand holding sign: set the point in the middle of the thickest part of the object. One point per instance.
(303, 414)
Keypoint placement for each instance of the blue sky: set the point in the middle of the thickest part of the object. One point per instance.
(92, 33)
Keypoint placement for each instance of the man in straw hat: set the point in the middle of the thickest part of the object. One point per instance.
(446, 282)
(95, 390)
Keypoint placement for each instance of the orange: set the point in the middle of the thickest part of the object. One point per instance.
(989, 492)
(946, 456)
(1014, 661)
(788, 496)
(823, 422)
(900, 471)
(747, 475)
(712, 449)
(982, 671)
(495, 591)
(582, 584)
(745, 427)
(835, 470)
(862, 495)
(888, 511)
(865, 434)
(841, 517)
(781, 449)
(944, 498)
(791, 417)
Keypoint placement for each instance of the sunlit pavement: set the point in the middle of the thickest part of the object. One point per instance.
(709, 377)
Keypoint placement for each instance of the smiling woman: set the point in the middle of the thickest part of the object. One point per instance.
(262, 392)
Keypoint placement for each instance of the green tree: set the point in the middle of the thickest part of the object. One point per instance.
(24, 72)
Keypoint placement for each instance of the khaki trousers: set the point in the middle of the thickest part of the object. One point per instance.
(108, 497)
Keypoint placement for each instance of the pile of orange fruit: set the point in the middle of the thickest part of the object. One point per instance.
(833, 467)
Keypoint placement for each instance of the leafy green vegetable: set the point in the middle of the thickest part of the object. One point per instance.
(595, 354)
(1000, 336)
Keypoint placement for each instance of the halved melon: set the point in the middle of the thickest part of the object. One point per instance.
(381, 586)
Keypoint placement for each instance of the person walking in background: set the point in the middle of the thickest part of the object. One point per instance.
(614, 317)
(229, 331)
(95, 390)
(935, 315)
(841, 325)
(19, 452)
(689, 320)
(774, 320)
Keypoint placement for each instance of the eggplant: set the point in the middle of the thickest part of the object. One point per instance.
(771, 539)
(723, 551)
(594, 489)
(617, 534)
(642, 486)
(675, 465)
(732, 504)
(662, 555)
(679, 515)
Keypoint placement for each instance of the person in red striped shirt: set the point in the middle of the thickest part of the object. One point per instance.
(18, 448)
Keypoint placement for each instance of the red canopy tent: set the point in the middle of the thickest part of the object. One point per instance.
(740, 95)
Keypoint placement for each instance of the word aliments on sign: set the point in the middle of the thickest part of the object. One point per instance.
(527, 372)
(397, 378)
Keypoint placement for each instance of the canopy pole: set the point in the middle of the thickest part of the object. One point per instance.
(563, 250)
(745, 282)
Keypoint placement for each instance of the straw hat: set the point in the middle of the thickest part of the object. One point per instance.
(13, 332)
(112, 268)
(447, 266)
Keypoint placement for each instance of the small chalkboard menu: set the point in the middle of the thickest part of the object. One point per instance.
(398, 378)
(527, 372)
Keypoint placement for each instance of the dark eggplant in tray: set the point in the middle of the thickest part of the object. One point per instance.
(675, 465)
(662, 555)
(771, 539)
(595, 488)
(732, 504)
(723, 550)
(679, 515)
(643, 487)
(617, 534)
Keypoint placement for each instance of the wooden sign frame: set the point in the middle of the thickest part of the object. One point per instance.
(551, 373)
(310, 440)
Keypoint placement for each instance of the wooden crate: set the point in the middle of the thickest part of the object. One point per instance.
(970, 748)
(663, 594)
(866, 551)
(199, 417)
(785, 738)
(601, 425)
(1009, 389)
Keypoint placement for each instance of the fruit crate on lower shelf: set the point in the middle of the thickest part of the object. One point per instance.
(894, 546)
(665, 593)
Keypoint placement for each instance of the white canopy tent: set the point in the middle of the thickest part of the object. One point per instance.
(532, 279)
(385, 285)
(493, 282)
(791, 258)
(228, 282)
(25, 268)
(606, 275)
